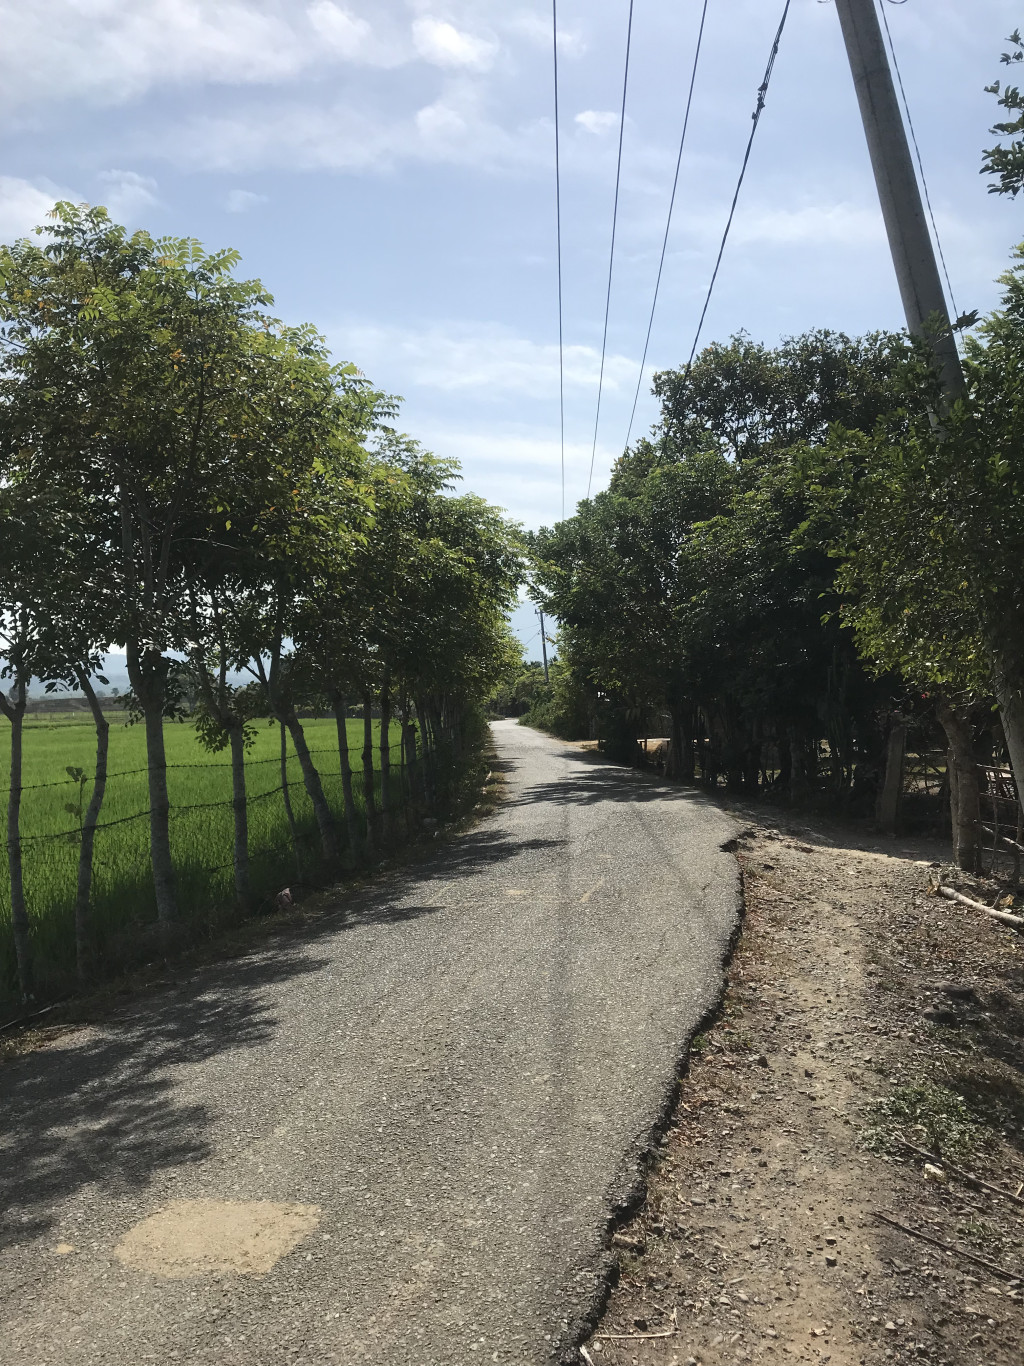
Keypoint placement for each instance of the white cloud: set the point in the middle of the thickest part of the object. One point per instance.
(452, 129)
(346, 33)
(445, 45)
(352, 38)
(126, 194)
(113, 50)
(536, 29)
(487, 358)
(241, 201)
(521, 471)
(839, 224)
(24, 204)
(597, 121)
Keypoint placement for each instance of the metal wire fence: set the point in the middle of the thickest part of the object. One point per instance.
(284, 849)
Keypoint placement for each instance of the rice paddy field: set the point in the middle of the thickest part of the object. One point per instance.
(201, 832)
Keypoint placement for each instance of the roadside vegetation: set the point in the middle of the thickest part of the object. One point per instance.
(188, 480)
(811, 551)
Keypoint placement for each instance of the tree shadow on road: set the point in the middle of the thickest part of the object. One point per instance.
(98, 1106)
(605, 782)
(101, 1106)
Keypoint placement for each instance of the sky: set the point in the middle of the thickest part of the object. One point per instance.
(386, 167)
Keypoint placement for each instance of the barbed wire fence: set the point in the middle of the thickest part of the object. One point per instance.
(284, 851)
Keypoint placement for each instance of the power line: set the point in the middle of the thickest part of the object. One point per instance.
(558, 236)
(611, 254)
(668, 220)
(762, 93)
(917, 154)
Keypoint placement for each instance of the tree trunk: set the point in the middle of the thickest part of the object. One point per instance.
(14, 710)
(85, 949)
(386, 822)
(147, 671)
(160, 820)
(240, 810)
(1008, 681)
(315, 790)
(345, 760)
(688, 766)
(888, 805)
(369, 796)
(785, 753)
(674, 757)
(752, 767)
(288, 809)
(407, 749)
(964, 789)
(734, 751)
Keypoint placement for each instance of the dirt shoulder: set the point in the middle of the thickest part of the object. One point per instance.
(859, 1008)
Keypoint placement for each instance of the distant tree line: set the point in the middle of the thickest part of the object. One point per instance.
(809, 547)
(186, 478)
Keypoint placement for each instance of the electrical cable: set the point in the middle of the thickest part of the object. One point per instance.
(917, 154)
(558, 236)
(668, 220)
(611, 254)
(756, 116)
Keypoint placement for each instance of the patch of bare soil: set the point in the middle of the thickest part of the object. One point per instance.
(861, 1011)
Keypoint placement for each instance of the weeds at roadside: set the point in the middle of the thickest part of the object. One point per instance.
(934, 1116)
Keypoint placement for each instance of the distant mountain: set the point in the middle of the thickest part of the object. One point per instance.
(113, 670)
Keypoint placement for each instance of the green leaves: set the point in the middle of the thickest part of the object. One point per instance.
(1006, 164)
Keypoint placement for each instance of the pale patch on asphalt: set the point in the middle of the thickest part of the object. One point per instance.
(204, 1237)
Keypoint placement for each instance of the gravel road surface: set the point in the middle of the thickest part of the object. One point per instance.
(391, 1138)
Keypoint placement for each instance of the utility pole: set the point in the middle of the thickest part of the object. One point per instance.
(543, 645)
(902, 210)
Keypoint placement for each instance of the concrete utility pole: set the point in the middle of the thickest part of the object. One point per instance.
(543, 645)
(902, 210)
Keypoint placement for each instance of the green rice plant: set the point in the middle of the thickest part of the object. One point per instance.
(58, 767)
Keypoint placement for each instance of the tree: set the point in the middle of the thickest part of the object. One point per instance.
(1006, 163)
(749, 400)
(935, 540)
(144, 373)
(19, 642)
(124, 357)
(685, 587)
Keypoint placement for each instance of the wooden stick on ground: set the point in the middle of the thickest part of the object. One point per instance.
(1016, 920)
(946, 1247)
(959, 1171)
(635, 1337)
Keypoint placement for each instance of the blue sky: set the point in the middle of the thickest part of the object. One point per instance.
(387, 169)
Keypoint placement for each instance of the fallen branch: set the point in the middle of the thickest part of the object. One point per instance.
(20, 1020)
(959, 1171)
(636, 1337)
(951, 895)
(1003, 839)
(946, 1247)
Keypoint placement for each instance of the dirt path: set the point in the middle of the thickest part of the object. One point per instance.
(851, 985)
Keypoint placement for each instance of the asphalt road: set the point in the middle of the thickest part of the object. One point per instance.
(424, 1107)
